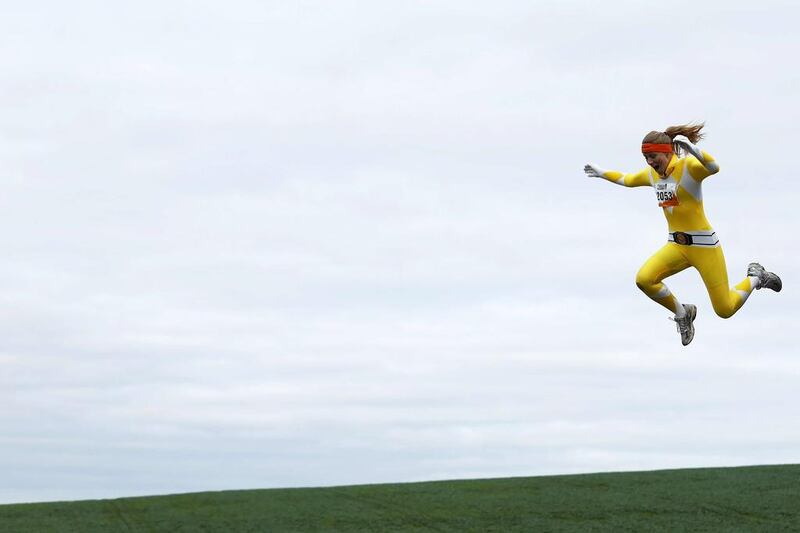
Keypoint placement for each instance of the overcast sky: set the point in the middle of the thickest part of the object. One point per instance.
(272, 244)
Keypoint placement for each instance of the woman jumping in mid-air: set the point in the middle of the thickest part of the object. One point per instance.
(692, 241)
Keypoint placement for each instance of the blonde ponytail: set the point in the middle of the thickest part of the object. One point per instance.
(690, 131)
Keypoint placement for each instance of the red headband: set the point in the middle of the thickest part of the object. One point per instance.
(651, 147)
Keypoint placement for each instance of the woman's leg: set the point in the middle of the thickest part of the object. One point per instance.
(710, 262)
(665, 262)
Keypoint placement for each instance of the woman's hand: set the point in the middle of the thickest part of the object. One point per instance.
(688, 147)
(593, 171)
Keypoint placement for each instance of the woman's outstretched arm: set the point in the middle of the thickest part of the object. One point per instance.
(639, 179)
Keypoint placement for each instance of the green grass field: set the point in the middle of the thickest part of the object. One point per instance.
(763, 498)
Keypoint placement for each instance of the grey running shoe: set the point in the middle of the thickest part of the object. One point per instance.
(686, 324)
(767, 280)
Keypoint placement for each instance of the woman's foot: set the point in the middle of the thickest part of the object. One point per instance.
(686, 323)
(766, 280)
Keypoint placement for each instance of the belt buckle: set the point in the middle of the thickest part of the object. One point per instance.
(682, 238)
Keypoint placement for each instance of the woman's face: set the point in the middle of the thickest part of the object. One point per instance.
(658, 160)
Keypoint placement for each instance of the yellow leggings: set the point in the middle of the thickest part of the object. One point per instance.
(710, 262)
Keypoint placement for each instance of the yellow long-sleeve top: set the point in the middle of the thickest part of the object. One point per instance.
(679, 193)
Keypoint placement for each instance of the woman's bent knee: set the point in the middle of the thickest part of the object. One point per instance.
(725, 305)
(724, 312)
(644, 282)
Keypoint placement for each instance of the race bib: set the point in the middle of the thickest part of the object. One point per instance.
(667, 194)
